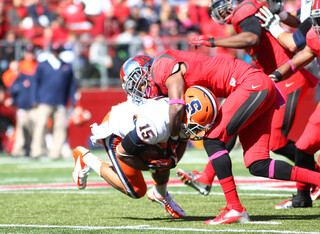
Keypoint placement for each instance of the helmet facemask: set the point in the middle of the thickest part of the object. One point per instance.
(134, 82)
(134, 75)
(195, 130)
(216, 6)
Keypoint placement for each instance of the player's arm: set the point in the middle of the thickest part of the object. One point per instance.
(292, 41)
(249, 36)
(300, 60)
(131, 158)
(176, 86)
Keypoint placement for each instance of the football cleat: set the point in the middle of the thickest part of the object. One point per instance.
(296, 202)
(230, 216)
(315, 193)
(81, 170)
(168, 203)
(189, 178)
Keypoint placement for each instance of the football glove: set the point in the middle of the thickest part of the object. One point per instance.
(162, 164)
(270, 21)
(202, 40)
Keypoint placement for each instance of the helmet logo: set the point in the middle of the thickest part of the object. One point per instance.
(193, 107)
(142, 60)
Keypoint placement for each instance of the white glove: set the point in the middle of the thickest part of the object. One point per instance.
(99, 132)
(271, 22)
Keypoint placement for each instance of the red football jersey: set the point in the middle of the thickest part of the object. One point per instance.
(221, 72)
(313, 42)
(268, 54)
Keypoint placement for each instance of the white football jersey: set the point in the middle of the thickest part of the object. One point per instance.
(151, 120)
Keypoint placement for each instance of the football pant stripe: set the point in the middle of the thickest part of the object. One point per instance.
(109, 147)
(245, 111)
(290, 111)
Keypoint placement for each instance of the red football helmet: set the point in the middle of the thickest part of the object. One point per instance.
(315, 16)
(221, 10)
(201, 111)
(134, 74)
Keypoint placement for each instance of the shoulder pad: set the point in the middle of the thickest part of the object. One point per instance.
(244, 10)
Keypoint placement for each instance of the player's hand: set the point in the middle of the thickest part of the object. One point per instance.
(202, 40)
(162, 164)
(172, 145)
(270, 21)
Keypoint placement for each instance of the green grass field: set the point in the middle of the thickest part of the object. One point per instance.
(39, 197)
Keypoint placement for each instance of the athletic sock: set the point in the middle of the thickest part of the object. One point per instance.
(94, 162)
(207, 175)
(229, 188)
(305, 176)
(160, 190)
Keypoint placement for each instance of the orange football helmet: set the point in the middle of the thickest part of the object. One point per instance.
(201, 111)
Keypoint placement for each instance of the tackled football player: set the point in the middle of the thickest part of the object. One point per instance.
(137, 138)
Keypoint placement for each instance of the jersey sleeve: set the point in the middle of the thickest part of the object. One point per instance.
(313, 42)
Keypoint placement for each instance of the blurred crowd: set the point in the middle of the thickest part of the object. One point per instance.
(95, 37)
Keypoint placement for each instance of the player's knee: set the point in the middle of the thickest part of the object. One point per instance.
(260, 168)
(213, 146)
(139, 191)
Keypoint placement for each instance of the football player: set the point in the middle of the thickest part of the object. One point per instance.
(267, 54)
(291, 41)
(128, 133)
(251, 98)
(309, 142)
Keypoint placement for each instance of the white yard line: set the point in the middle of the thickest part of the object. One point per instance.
(147, 227)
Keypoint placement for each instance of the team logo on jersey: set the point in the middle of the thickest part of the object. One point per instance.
(193, 107)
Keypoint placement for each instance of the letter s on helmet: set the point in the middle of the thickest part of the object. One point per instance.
(201, 111)
(134, 73)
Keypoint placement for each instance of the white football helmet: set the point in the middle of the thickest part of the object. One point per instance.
(201, 111)
(315, 16)
(134, 74)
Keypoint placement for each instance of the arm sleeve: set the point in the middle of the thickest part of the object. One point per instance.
(299, 36)
(251, 24)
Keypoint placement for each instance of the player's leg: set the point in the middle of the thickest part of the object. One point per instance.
(158, 193)
(294, 90)
(307, 145)
(202, 181)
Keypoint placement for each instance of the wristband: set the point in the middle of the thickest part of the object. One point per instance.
(276, 30)
(211, 40)
(291, 65)
(277, 75)
(177, 101)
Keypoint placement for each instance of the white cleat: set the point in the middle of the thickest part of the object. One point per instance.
(81, 170)
(168, 203)
(230, 216)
